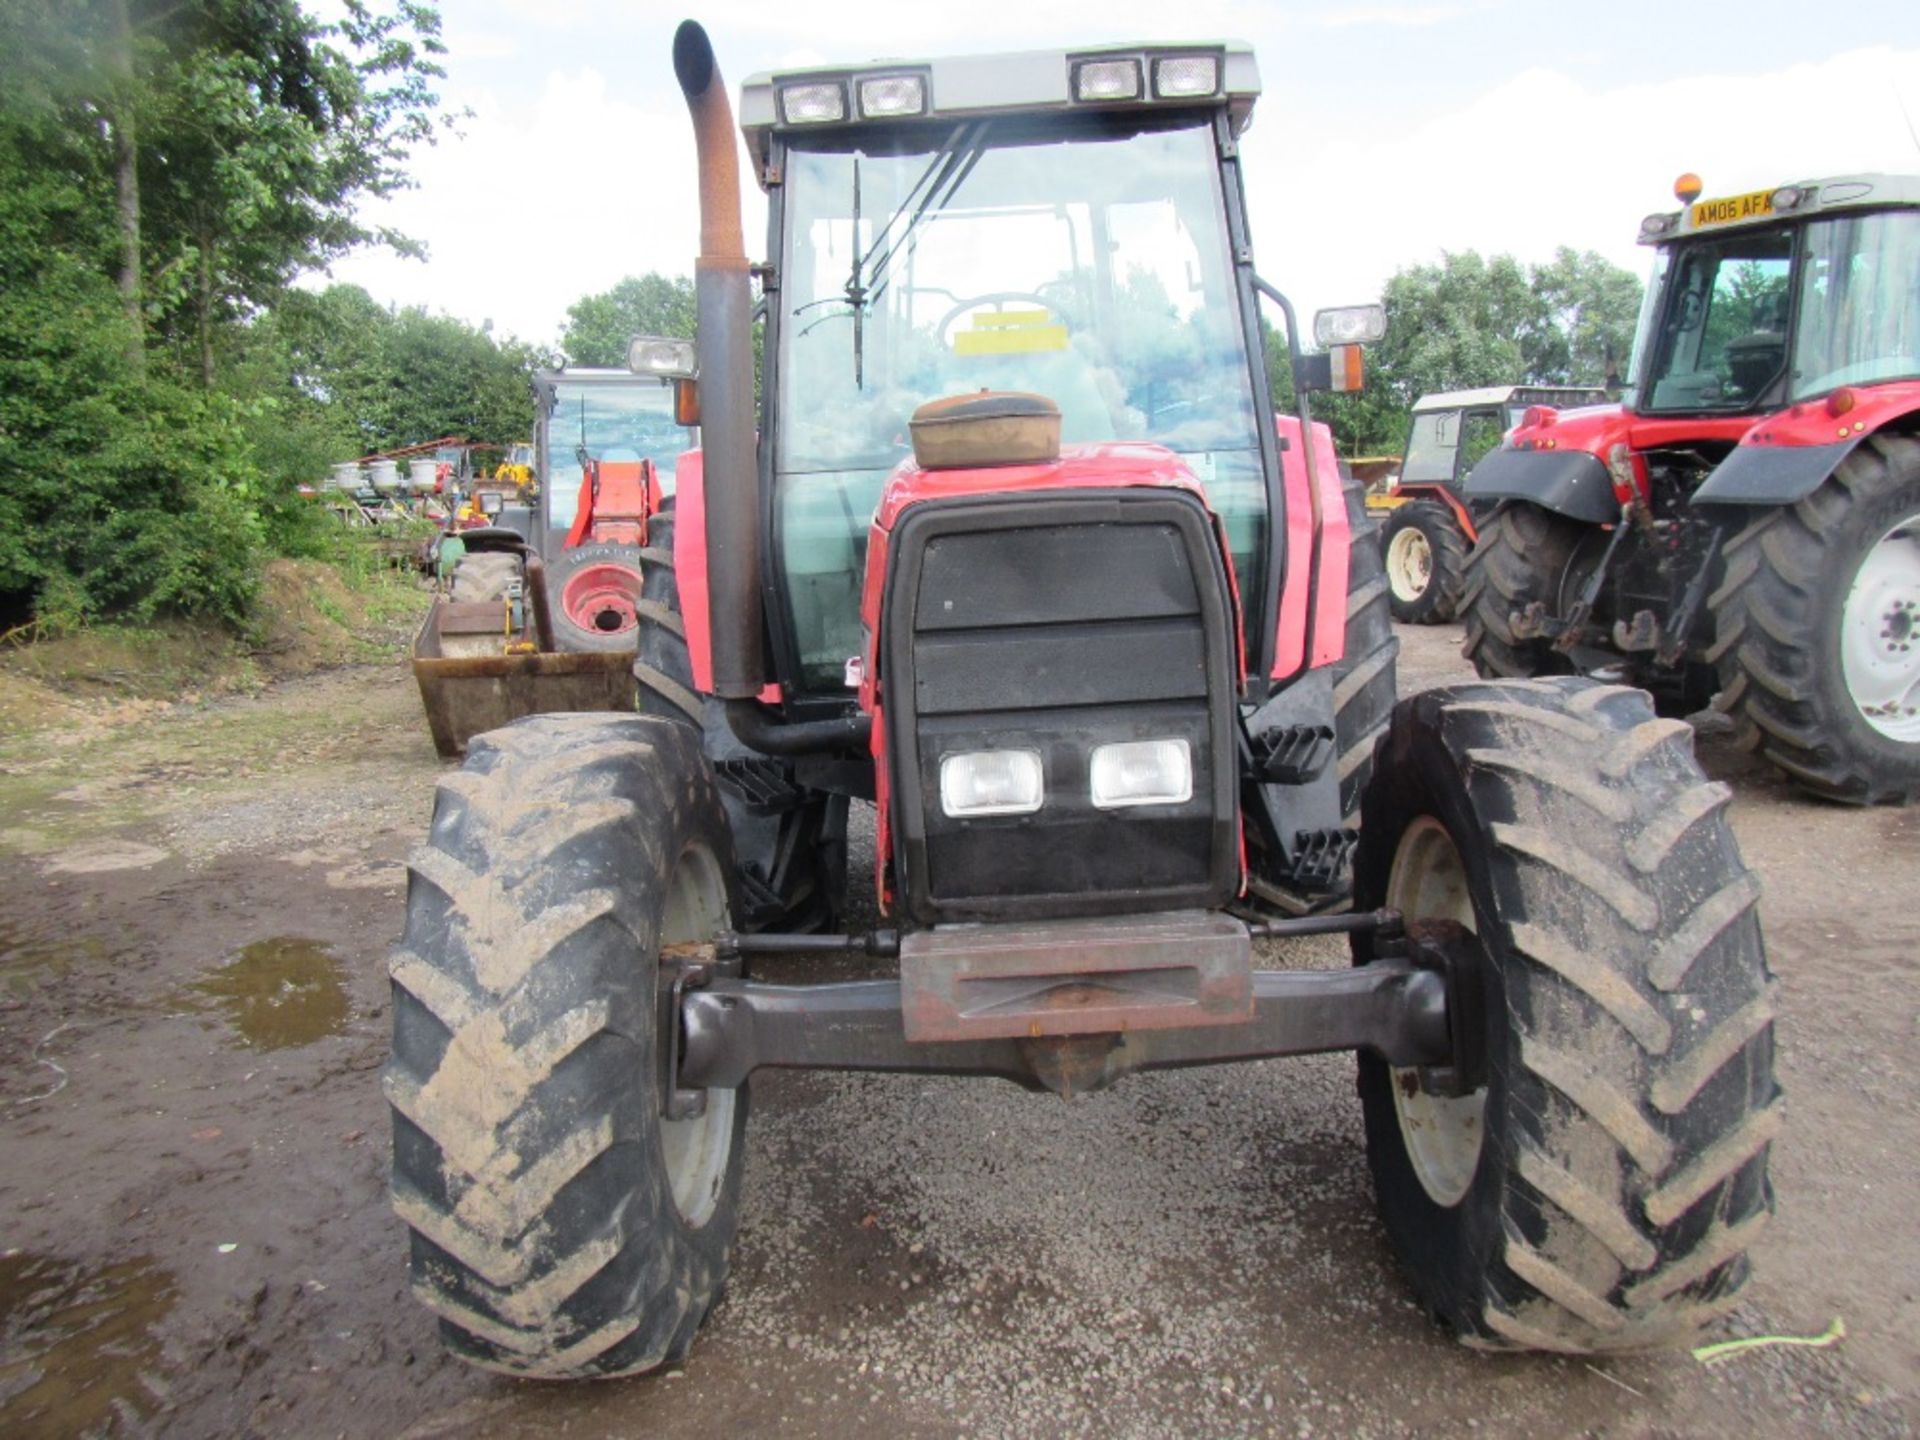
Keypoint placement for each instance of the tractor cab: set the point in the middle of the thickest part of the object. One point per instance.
(1063, 224)
(1780, 296)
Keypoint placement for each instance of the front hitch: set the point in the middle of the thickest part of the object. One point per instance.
(1030, 1026)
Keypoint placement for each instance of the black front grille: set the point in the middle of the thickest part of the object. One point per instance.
(1054, 624)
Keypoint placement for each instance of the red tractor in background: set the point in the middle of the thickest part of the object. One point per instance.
(1744, 529)
(1428, 529)
(1011, 547)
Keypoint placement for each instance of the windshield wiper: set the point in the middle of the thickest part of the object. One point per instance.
(945, 172)
(953, 164)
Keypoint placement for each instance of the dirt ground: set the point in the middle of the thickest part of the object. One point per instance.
(195, 1240)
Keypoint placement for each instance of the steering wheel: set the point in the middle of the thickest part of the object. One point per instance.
(991, 297)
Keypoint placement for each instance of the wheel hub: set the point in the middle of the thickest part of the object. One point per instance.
(1443, 1133)
(1409, 563)
(602, 598)
(1879, 649)
(694, 1146)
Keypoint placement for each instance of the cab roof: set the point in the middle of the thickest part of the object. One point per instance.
(1015, 82)
(1758, 207)
(1511, 394)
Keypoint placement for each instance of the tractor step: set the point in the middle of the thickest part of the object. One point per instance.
(767, 786)
(1319, 857)
(1292, 754)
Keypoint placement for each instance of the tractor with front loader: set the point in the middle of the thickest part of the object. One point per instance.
(605, 443)
(1743, 530)
(1012, 547)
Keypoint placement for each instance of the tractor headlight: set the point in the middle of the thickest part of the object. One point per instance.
(990, 782)
(892, 95)
(1142, 772)
(1183, 75)
(1107, 80)
(813, 103)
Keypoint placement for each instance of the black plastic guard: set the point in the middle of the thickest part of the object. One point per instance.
(1291, 816)
(1573, 483)
(1771, 474)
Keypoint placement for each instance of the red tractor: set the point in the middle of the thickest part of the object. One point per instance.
(605, 443)
(1011, 547)
(1744, 529)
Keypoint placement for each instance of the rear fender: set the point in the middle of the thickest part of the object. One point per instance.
(1786, 457)
(1569, 482)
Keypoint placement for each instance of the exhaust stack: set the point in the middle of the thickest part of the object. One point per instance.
(724, 307)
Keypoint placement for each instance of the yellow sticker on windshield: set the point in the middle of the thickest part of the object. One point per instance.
(1750, 206)
(1010, 332)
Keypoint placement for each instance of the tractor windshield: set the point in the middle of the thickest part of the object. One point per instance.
(1859, 302)
(629, 418)
(1087, 262)
(1721, 312)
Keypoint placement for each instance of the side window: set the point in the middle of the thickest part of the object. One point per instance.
(1480, 431)
(1724, 338)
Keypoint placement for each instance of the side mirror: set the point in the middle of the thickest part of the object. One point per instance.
(1349, 325)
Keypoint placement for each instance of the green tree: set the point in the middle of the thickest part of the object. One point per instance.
(599, 326)
(1588, 307)
(1470, 321)
(170, 166)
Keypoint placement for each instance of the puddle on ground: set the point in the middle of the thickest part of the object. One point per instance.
(278, 993)
(78, 1353)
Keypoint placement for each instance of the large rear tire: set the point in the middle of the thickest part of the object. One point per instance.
(561, 1226)
(661, 663)
(1426, 562)
(1364, 680)
(1817, 630)
(1521, 560)
(1363, 689)
(1600, 1188)
(790, 842)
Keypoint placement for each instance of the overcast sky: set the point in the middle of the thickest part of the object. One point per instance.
(1386, 133)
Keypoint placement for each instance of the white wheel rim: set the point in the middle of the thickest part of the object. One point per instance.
(1880, 634)
(1443, 1134)
(696, 1151)
(1409, 563)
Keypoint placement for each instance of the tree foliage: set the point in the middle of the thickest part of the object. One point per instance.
(1470, 321)
(599, 326)
(383, 379)
(170, 167)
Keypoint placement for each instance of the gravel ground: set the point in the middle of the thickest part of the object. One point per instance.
(195, 1238)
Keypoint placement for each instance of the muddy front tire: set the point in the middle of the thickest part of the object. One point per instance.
(1521, 560)
(1599, 1189)
(1426, 560)
(560, 1226)
(1817, 630)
